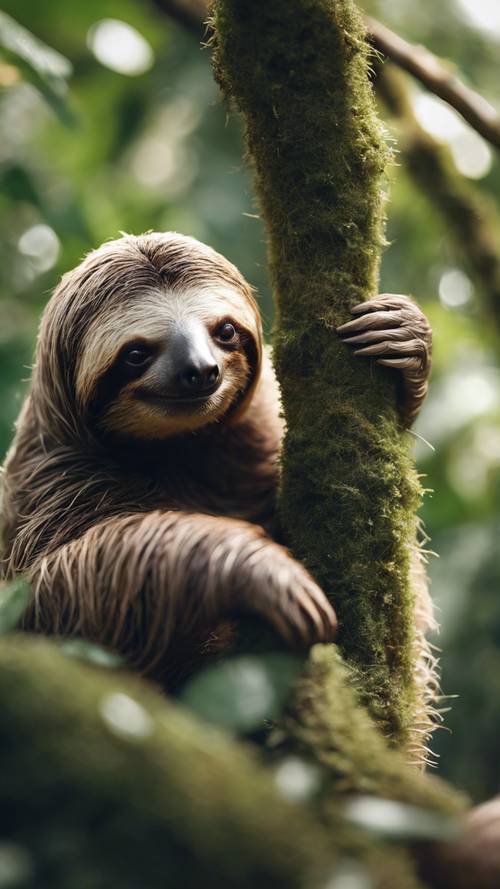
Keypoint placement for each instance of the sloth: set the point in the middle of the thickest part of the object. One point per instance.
(139, 495)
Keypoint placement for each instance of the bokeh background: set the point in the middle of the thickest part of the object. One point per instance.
(110, 121)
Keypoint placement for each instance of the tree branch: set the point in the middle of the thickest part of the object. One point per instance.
(470, 218)
(192, 14)
(416, 60)
(425, 67)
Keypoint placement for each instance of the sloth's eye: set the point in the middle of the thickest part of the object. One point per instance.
(226, 333)
(136, 357)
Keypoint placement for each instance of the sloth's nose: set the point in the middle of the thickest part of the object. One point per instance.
(199, 376)
(193, 364)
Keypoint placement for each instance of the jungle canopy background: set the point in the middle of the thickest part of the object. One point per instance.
(128, 133)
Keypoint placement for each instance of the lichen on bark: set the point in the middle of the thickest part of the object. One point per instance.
(298, 71)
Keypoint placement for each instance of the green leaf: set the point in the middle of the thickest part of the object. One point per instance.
(41, 65)
(350, 874)
(91, 653)
(13, 600)
(392, 820)
(243, 692)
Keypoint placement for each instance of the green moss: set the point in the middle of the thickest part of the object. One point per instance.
(174, 804)
(297, 69)
(328, 723)
(105, 783)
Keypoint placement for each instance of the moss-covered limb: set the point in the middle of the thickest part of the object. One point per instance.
(298, 70)
(328, 722)
(169, 802)
(105, 783)
(470, 218)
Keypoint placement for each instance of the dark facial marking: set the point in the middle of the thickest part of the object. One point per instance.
(226, 334)
(137, 356)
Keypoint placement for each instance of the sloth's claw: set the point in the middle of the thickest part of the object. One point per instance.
(321, 612)
(411, 364)
(371, 321)
(309, 611)
(383, 301)
(410, 347)
(393, 329)
(396, 334)
(286, 595)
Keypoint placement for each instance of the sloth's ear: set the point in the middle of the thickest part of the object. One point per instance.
(253, 346)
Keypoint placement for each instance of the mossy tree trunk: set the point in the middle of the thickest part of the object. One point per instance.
(298, 70)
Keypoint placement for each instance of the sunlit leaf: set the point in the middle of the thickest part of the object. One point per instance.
(241, 693)
(392, 820)
(16, 865)
(350, 874)
(43, 66)
(13, 600)
(91, 653)
(297, 779)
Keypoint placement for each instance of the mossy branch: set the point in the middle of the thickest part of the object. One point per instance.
(298, 71)
(438, 77)
(105, 783)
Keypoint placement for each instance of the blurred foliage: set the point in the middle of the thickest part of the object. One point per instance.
(393, 820)
(13, 600)
(241, 693)
(156, 149)
(40, 65)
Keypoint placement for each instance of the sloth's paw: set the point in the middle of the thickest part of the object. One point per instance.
(395, 331)
(289, 598)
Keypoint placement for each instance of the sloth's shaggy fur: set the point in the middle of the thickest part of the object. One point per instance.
(143, 526)
(146, 541)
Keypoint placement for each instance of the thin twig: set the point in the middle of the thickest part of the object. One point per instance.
(192, 14)
(470, 217)
(438, 79)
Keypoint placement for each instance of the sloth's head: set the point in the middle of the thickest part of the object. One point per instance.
(149, 337)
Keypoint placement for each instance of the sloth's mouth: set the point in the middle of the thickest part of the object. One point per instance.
(181, 400)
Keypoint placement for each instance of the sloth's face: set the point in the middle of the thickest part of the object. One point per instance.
(168, 362)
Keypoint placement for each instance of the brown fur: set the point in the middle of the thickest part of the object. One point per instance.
(140, 541)
(140, 529)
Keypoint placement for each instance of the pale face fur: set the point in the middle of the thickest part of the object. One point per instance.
(152, 318)
(162, 293)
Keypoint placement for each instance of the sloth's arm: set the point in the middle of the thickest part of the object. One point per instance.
(131, 582)
(394, 330)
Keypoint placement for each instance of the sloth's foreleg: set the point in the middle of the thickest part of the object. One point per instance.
(396, 332)
(131, 582)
